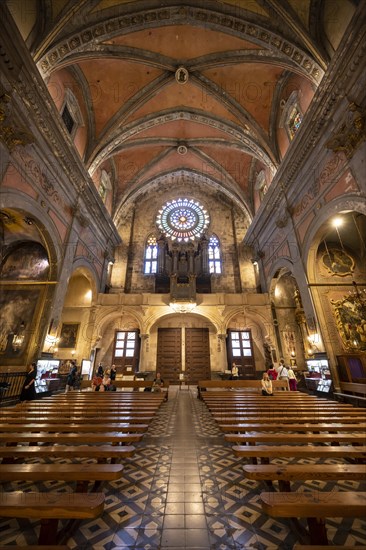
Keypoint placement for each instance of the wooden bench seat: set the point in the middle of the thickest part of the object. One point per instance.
(228, 408)
(290, 415)
(321, 547)
(315, 506)
(352, 392)
(67, 451)
(36, 547)
(284, 474)
(120, 427)
(82, 474)
(77, 417)
(238, 395)
(69, 438)
(50, 507)
(71, 409)
(315, 418)
(296, 438)
(256, 426)
(242, 385)
(107, 397)
(300, 451)
(136, 386)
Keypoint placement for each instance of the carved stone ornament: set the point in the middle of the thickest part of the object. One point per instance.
(351, 133)
(283, 220)
(11, 135)
(181, 75)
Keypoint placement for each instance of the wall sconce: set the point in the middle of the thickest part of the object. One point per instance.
(51, 342)
(73, 352)
(18, 338)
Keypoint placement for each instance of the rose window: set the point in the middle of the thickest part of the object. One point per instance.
(183, 219)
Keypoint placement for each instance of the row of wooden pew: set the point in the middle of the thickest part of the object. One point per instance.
(296, 426)
(76, 425)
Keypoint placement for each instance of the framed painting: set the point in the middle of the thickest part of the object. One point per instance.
(69, 335)
(351, 323)
(19, 308)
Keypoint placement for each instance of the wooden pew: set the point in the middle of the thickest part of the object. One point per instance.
(134, 385)
(36, 547)
(98, 452)
(82, 474)
(77, 417)
(283, 419)
(315, 506)
(330, 406)
(73, 427)
(288, 437)
(67, 409)
(264, 426)
(285, 474)
(352, 392)
(69, 438)
(321, 547)
(50, 507)
(300, 451)
(249, 385)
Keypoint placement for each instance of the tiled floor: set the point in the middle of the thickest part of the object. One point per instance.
(183, 489)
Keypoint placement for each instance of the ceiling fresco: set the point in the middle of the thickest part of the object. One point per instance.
(151, 76)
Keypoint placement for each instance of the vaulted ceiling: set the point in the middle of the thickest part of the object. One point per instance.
(191, 88)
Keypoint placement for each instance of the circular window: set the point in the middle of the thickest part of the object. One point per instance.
(183, 219)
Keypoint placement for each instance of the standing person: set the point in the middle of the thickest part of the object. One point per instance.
(29, 389)
(113, 373)
(158, 383)
(100, 370)
(272, 373)
(292, 379)
(282, 371)
(234, 372)
(266, 384)
(71, 377)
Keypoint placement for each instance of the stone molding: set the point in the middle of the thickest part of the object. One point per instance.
(102, 31)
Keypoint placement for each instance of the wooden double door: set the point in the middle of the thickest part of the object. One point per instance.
(183, 351)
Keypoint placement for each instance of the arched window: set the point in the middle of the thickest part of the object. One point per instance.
(214, 255)
(294, 121)
(151, 256)
(261, 184)
(104, 185)
(291, 117)
(71, 113)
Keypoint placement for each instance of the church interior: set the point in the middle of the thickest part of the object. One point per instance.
(183, 188)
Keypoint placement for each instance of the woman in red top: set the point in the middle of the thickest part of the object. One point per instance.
(272, 373)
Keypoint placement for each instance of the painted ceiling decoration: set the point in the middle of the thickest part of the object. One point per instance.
(196, 87)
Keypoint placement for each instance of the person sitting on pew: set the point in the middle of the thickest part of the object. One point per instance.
(266, 384)
(106, 381)
(158, 383)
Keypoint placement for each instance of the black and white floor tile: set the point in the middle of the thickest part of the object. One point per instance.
(183, 488)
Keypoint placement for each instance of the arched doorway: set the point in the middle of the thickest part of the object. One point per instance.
(183, 348)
